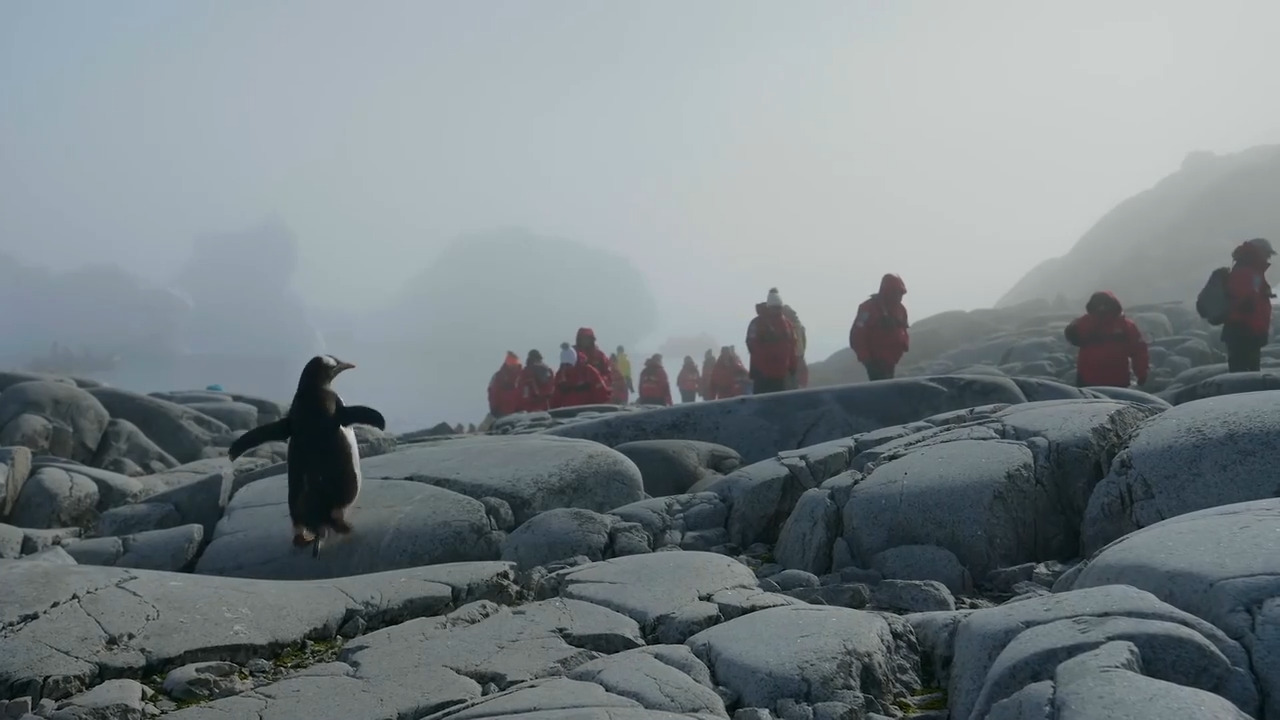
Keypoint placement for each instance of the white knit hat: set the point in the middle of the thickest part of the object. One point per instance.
(568, 356)
(774, 299)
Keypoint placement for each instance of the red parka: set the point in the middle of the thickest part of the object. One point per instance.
(689, 380)
(772, 343)
(655, 386)
(579, 384)
(585, 343)
(537, 385)
(879, 332)
(1109, 343)
(504, 387)
(1249, 292)
(708, 369)
(726, 377)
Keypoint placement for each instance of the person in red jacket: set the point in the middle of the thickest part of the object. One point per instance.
(537, 384)
(655, 386)
(725, 380)
(1248, 324)
(689, 381)
(708, 368)
(504, 387)
(1109, 343)
(580, 384)
(585, 343)
(619, 394)
(771, 343)
(879, 334)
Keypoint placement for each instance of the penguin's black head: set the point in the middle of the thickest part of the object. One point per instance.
(321, 370)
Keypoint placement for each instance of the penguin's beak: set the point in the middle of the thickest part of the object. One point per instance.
(343, 366)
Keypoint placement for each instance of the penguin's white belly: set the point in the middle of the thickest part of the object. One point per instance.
(349, 434)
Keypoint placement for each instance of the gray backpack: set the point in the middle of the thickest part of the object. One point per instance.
(1213, 303)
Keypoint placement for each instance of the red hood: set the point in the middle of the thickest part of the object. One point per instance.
(1250, 255)
(1105, 297)
(891, 284)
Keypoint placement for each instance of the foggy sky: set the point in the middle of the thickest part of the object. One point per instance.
(723, 146)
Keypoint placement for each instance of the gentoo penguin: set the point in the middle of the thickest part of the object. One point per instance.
(324, 464)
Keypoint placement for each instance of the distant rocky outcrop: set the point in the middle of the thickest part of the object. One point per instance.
(1160, 244)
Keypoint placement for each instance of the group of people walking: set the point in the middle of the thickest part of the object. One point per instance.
(1111, 347)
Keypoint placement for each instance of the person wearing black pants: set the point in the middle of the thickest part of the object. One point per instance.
(1244, 351)
(688, 396)
(1248, 321)
(878, 371)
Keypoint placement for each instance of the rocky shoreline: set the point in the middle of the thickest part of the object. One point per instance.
(953, 546)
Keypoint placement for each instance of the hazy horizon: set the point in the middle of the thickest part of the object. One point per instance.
(722, 147)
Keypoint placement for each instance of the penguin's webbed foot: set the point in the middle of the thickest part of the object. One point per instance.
(341, 526)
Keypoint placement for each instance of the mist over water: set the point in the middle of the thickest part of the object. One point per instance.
(212, 192)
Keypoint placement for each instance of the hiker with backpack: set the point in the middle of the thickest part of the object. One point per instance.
(879, 334)
(1239, 299)
(1109, 344)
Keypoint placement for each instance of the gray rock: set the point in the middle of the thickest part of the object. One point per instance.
(761, 426)
(671, 467)
(500, 515)
(15, 468)
(1217, 564)
(170, 549)
(1083, 436)
(450, 658)
(123, 445)
(1002, 580)
(137, 518)
(55, 555)
(805, 540)
(558, 534)
(33, 541)
(52, 498)
(67, 626)
(112, 700)
(198, 496)
(984, 634)
(235, 415)
(663, 592)
(1168, 651)
(913, 596)
(1162, 472)
(1105, 683)
(663, 677)
(62, 404)
(397, 524)
(205, 681)
(923, 562)
(936, 633)
(114, 489)
(807, 654)
(979, 499)
(792, 579)
(179, 431)
(531, 473)
(10, 542)
(676, 520)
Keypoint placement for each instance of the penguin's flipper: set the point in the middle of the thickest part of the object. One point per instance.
(315, 547)
(360, 415)
(272, 431)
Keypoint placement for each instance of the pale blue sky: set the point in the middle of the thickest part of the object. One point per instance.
(722, 145)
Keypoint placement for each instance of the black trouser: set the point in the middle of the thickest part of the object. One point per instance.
(688, 396)
(878, 371)
(769, 385)
(1244, 351)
